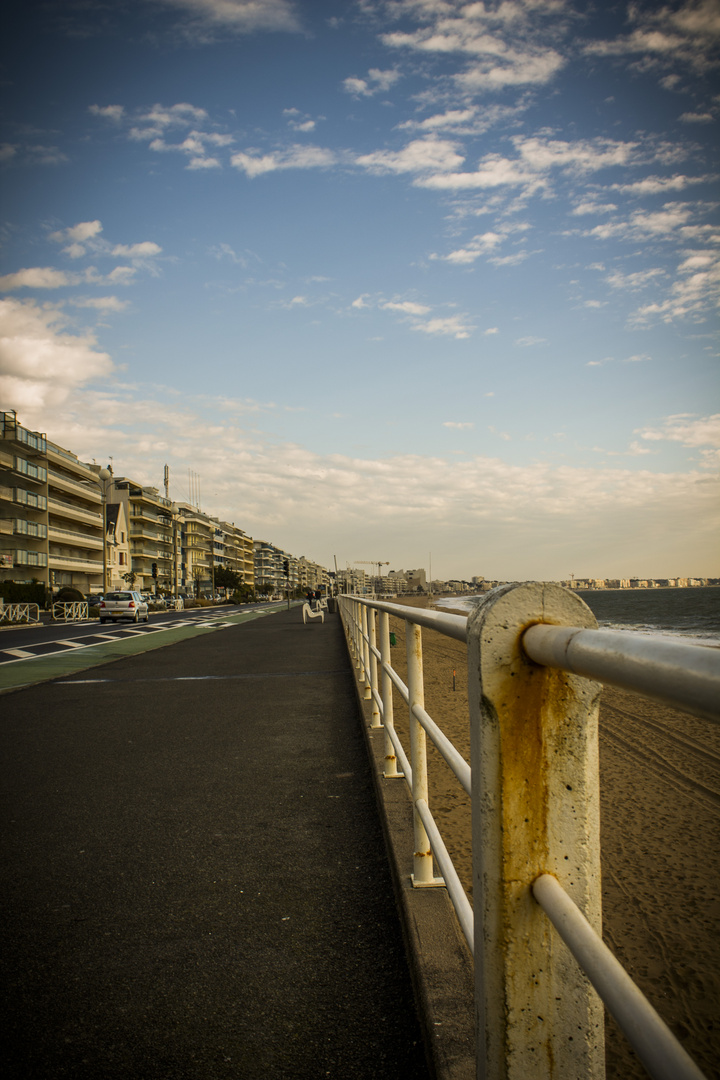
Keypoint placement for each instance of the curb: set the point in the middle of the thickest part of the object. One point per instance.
(440, 961)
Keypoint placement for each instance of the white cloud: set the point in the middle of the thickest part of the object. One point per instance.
(527, 342)
(686, 34)
(36, 277)
(696, 432)
(696, 118)
(110, 112)
(294, 157)
(39, 360)
(241, 16)
(652, 185)
(637, 280)
(429, 155)
(449, 326)
(154, 122)
(377, 82)
(101, 303)
(406, 307)
(144, 250)
(459, 425)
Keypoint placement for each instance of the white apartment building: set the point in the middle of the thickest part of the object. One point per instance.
(150, 533)
(51, 521)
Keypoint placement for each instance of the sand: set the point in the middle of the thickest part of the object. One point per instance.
(660, 836)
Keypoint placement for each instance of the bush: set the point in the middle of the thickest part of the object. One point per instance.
(68, 595)
(22, 592)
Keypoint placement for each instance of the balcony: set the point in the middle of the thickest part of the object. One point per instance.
(75, 513)
(30, 558)
(89, 491)
(73, 562)
(79, 539)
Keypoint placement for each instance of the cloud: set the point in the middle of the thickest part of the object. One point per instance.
(696, 432)
(696, 118)
(449, 326)
(154, 122)
(39, 361)
(101, 303)
(637, 280)
(36, 277)
(528, 342)
(429, 155)
(376, 82)
(294, 157)
(406, 307)
(240, 16)
(109, 112)
(687, 34)
(659, 185)
(144, 250)
(280, 490)
(691, 295)
(459, 425)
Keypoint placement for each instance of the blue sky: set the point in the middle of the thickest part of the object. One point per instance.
(393, 277)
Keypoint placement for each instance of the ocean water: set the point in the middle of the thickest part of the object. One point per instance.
(685, 612)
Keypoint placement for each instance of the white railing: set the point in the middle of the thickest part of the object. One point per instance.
(534, 788)
(19, 613)
(75, 612)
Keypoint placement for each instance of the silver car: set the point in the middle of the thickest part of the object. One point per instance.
(123, 605)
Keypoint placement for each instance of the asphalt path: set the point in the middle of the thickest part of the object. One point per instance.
(195, 885)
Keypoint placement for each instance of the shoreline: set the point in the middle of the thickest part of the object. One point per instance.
(660, 842)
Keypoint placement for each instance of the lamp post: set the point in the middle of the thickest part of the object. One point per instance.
(174, 510)
(104, 475)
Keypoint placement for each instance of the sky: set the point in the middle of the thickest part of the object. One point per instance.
(425, 282)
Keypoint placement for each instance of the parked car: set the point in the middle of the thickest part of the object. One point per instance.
(94, 599)
(123, 605)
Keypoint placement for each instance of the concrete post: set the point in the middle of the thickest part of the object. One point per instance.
(372, 634)
(422, 855)
(364, 675)
(535, 810)
(391, 769)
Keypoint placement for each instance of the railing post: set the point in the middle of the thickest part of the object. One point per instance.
(422, 855)
(375, 721)
(535, 810)
(391, 770)
(364, 652)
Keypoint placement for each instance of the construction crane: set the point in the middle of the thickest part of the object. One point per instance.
(369, 562)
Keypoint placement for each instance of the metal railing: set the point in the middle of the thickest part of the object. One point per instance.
(534, 789)
(74, 612)
(19, 613)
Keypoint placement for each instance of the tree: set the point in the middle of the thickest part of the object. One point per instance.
(226, 578)
(130, 577)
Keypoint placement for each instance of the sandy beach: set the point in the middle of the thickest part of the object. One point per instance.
(660, 835)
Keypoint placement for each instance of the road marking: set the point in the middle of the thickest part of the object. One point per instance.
(70, 644)
(22, 654)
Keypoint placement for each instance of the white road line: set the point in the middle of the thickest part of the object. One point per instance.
(70, 644)
(20, 653)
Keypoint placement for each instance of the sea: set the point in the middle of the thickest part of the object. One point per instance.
(674, 612)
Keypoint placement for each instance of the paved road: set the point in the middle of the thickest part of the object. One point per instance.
(194, 884)
(31, 653)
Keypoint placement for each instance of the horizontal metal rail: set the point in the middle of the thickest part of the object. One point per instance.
(683, 675)
(651, 1039)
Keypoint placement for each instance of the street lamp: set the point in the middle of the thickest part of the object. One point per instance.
(174, 511)
(104, 475)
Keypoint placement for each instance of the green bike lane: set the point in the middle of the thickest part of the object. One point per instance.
(44, 668)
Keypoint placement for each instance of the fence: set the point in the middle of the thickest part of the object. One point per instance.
(75, 612)
(19, 613)
(533, 650)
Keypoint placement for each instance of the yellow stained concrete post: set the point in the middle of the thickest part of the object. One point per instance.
(535, 810)
(375, 721)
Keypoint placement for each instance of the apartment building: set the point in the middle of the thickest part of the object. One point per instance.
(23, 502)
(234, 551)
(75, 522)
(312, 576)
(270, 576)
(149, 520)
(51, 514)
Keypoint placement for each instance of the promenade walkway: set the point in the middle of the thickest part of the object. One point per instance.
(194, 882)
